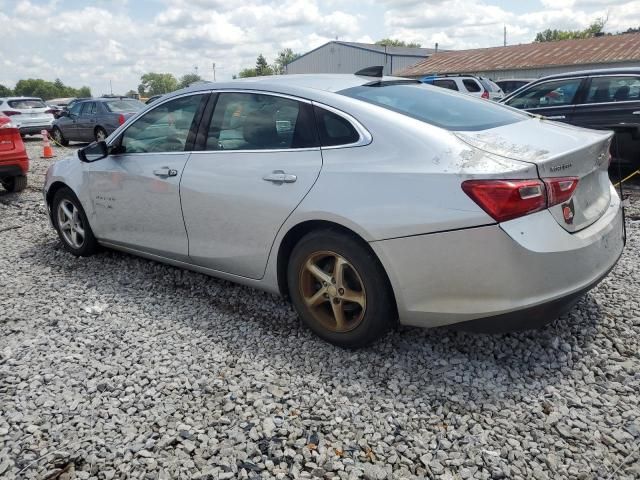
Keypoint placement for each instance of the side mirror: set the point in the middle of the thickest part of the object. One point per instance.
(93, 152)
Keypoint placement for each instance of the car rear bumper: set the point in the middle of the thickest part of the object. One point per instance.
(519, 274)
(34, 129)
(11, 170)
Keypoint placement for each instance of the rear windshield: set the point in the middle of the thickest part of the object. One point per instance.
(437, 106)
(489, 85)
(122, 106)
(25, 103)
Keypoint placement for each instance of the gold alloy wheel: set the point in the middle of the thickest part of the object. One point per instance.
(333, 291)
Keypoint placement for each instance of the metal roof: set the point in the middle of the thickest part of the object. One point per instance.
(589, 51)
(372, 47)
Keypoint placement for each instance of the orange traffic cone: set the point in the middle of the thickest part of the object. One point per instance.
(47, 151)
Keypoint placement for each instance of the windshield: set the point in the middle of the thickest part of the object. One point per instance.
(124, 105)
(26, 103)
(437, 106)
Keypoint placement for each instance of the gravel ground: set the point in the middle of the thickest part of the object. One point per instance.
(119, 367)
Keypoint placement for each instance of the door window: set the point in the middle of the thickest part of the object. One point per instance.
(613, 89)
(89, 108)
(547, 94)
(163, 129)
(75, 109)
(334, 130)
(446, 83)
(250, 121)
(471, 85)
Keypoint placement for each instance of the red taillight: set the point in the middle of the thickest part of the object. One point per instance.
(559, 190)
(5, 122)
(508, 199)
(8, 113)
(121, 119)
(485, 94)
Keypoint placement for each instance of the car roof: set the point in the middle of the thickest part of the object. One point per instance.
(21, 98)
(595, 71)
(303, 85)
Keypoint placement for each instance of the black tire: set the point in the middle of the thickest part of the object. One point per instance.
(100, 131)
(15, 184)
(89, 244)
(379, 313)
(57, 135)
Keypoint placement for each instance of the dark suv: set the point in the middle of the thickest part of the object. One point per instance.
(93, 118)
(602, 99)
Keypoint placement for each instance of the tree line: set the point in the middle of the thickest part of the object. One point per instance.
(596, 29)
(37, 87)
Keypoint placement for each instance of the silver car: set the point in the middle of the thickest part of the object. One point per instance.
(30, 114)
(365, 200)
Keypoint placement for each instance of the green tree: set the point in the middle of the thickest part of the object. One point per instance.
(284, 58)
(188, 79)
(247, 72)
(391, 42)
(83, 92)
(262, 67)
(37, 87)
(592, 30)
(5, 92)
(157, 83)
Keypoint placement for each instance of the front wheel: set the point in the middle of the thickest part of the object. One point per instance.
(339, 289)
(72, 225)
(59, 137)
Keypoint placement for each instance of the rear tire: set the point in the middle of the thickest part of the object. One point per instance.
(100, 134)
(15, 184)
(339, 289)
(72, 224)
(59, 137)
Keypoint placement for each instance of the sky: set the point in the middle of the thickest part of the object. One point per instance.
(95, 42)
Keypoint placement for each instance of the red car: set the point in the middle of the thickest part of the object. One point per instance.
(14, 162)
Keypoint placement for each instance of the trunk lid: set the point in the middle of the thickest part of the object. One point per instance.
(557, 150)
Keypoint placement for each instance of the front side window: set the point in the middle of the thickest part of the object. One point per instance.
(75, 109)
(547, 94)
(471, 85)
(163, 129)
(613, 89)
(250, 121)
(437, 106)
(446, 83)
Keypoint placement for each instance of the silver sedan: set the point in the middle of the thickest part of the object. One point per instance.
(366, 200)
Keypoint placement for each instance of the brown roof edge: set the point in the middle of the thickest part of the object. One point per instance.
(596, 50)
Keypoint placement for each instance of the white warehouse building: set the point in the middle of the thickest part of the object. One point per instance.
(349, 57)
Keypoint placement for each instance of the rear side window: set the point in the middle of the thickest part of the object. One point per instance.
(89, 108)
(250, 121)
(446, 83)
(437, 106)
(26, 103)
(613, 89)
(333, 129)
(471, 85)
(124, 106)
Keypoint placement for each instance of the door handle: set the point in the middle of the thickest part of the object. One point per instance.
(279, 177)
(637, 112)
(556, 117)
(165, 172)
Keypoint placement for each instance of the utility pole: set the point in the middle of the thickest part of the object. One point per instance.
(505, 34)
(110, 87)
(195, 68)
(214, 71)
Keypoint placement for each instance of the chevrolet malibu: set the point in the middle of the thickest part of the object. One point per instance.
(366, 200)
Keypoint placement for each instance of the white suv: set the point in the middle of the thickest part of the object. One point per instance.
(470, 84)
(30, 114)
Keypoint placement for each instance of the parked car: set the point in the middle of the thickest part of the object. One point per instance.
(469, 84)
(363, 199)
(58, 105)
(606, 99)
(14, 163)
(93, 119)
(512, 84)
(29, 114)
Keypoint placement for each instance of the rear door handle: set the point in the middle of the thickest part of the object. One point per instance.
(556, 117)
(279, 177)
(165, 172)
